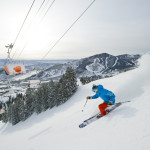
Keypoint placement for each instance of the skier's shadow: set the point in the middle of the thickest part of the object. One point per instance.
(125, 112)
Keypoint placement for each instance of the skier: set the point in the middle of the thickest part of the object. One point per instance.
(107, 96)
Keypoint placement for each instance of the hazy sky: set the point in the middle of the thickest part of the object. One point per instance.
(109, 26)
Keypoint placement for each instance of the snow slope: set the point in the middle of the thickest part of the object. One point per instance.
(126, 128)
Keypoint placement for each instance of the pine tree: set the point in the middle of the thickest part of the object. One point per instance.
(71, 81)
(58, 94)
(44, 97)
(23, 114)
(66, 86)
(13, 114)
(62, 93)
(37, 102)
(4, 117)
(28, 102)
(52, 94)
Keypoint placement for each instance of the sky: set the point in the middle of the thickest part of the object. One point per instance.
(108, 26)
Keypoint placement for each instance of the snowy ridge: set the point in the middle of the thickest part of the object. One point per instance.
(126, 128)
(100, 64)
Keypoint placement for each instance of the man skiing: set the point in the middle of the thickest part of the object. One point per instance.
(107, 96)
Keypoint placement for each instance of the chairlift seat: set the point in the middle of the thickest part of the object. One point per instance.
(14, 68)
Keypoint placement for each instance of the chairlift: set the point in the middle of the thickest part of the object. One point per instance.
(13, 67)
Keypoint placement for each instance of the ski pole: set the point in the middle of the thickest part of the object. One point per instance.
(84, 105)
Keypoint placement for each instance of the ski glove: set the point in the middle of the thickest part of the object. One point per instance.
(110, 103)
(89, 97)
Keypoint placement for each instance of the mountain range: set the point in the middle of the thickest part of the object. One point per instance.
(101, 64)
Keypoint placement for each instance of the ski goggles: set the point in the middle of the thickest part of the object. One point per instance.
(95, 90)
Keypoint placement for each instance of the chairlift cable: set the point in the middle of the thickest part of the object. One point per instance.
(40, 21)
(48, 9)
(35, 15)
(68, 30)
(22, 25)
(44, 7)
(30, 26)
(22, 49)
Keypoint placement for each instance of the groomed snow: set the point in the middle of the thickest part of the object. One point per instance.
(126, 128)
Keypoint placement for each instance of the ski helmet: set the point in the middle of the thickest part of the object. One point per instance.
(94, 88)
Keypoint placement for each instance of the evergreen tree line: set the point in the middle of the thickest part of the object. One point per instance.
(86, 80)
(38, 100)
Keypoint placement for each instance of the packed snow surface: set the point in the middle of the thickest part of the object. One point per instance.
(126, 128)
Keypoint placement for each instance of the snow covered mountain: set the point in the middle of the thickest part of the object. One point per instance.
(101, 64)
(126, 128)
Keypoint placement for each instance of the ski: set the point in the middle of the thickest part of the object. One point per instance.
(97, 116)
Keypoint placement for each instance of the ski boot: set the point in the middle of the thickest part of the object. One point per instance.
(98, 116)
(107, 111)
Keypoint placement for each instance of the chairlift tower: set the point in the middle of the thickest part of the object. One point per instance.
(9, 46)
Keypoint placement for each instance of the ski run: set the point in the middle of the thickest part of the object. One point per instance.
(125, 128)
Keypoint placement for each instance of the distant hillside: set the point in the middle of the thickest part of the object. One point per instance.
(100, 64)
(103, 65)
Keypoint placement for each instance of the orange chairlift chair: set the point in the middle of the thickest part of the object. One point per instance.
(11, 67)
